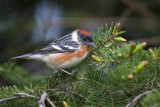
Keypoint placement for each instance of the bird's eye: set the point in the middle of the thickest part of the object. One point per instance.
(84, 39)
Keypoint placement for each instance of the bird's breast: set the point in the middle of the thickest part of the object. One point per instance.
(66, 60)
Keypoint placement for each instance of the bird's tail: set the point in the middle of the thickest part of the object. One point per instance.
(26, 56)
(29, 56)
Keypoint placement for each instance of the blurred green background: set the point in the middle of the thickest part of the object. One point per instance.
(26, 25)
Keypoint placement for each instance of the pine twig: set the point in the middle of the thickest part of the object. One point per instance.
(16, 88)
(9, 98)
(72, 92)
(104, 60)
(26, 95)
(102, 43)
(69, 80)
(143, 11)
(50, 102)
(137, 98)
(44, 97)
(19, 95)
(77, 94)
(111, 98)
(41, 102)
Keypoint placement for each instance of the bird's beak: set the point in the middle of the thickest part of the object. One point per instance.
(92, 44)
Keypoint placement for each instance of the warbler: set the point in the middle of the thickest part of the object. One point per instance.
(64, 52)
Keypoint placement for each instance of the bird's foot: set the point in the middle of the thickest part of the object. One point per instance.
(71, 74)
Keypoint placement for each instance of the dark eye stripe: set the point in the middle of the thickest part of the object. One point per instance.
(88, 38)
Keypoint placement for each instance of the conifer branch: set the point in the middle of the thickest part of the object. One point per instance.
(70, 92)
(97, 59)
(105, 60)
(16, 88)
(68, 80)
(19, 95)
(137, 98)
(41, 102)
(26, 95)
(102, 43)
(9, 98)
(131, 75)
(44, 97)
(111, 98)
(50, 101)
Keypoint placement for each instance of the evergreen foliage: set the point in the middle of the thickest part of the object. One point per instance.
(118, 73)
(151, 100)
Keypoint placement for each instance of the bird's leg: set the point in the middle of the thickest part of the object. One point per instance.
(71, 74)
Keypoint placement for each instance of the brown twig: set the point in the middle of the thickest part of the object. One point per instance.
(157, 59)
(132, 4)
(154, 40)
(9, 98)
(137, 98)
(44, 97)
(111, 98)
(16, 88)
(50, 102)
(41, 102)
(19, 95)
(27, 95)
(104, 60)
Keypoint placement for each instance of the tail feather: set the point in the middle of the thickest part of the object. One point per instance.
(29, 56)
(22, 56)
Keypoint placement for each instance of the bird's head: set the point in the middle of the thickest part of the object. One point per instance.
(85, 38)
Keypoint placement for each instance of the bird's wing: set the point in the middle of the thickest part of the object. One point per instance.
(61, 45)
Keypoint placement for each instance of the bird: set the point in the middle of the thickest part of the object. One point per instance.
(63, 52)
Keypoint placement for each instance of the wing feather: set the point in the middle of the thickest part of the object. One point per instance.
(61, 45)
